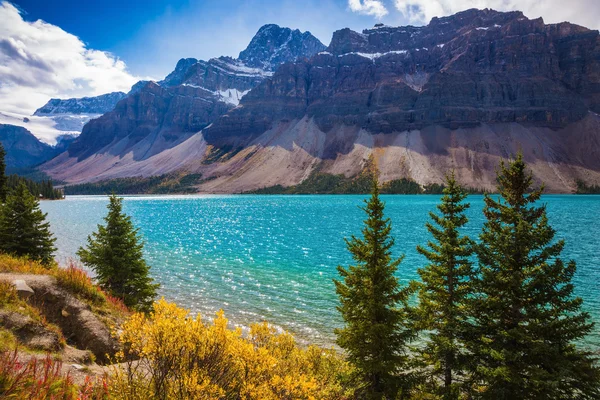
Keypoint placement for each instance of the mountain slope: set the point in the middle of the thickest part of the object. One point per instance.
(23, 149)
(460, 71)
(461, 92)
(157, 116)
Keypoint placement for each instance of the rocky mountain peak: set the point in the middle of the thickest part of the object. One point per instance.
(273, 45)
(178, 75)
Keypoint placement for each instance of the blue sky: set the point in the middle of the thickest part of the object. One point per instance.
(151, 35)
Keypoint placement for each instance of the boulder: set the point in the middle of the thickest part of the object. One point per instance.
(23, 290)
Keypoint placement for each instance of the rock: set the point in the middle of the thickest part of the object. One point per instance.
(458, 93)
(472, 68)
(273, 45)
(31, 333)
(155, 117)
(23, 290)
(79, 325)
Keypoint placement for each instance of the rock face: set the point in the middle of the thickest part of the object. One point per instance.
(460, 93)
(22, 148)
(149, 121)
(461, 71)
(158, 116)
(273, 46)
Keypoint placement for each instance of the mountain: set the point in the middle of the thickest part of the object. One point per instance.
(155, 117)
(23, 149)
(462, 71)
(460, 93)
(85, 105)
(70, 115)
(273, 46)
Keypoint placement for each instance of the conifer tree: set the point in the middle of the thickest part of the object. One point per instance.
(3, 183)
(114, 252)
(374, 307)
(527, 319)
(24, 230)
(445, 289)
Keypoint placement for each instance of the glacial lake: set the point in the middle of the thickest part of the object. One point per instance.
(274, 257)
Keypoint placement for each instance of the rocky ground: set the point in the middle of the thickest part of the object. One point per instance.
(83, 341)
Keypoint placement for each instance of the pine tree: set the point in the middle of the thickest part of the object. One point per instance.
(3, 183)
(374, 307)
(527, 318)
(445, 289)
(23, 227)
(114, 252)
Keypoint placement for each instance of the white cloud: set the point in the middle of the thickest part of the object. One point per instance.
(39, 60)
(582, 12)
(368, 7)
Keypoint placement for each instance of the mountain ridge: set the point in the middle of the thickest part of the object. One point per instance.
(158, 116)
(461, 92)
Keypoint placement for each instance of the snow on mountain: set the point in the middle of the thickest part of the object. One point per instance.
(230, 79)
(85, 105)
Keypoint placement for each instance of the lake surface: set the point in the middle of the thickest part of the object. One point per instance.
(274, 257)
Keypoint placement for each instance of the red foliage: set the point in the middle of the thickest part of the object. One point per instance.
(35, 379)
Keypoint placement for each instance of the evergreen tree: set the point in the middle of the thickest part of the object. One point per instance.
(445, 289)
(374, 308)
(527, 318)
(3, 184)
(114, 252)
(23, 227)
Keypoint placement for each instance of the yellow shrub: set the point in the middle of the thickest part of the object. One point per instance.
(180, 357)
(21, 265)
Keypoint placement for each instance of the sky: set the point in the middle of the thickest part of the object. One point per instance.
(75, 48)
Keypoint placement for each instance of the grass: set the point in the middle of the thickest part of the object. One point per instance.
(10, 301)
(72, 278)
(20, 265)
(38, 379)
(77, 281)
(8, 340)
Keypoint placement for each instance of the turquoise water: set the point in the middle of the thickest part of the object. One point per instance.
(274, 257)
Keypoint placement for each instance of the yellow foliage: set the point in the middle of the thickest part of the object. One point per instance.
(21, 265)
(72, 278)
(180, 357)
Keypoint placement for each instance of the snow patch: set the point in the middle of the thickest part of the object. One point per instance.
(485, 28)
(230, 96)
(373, 56)
(241, 69)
